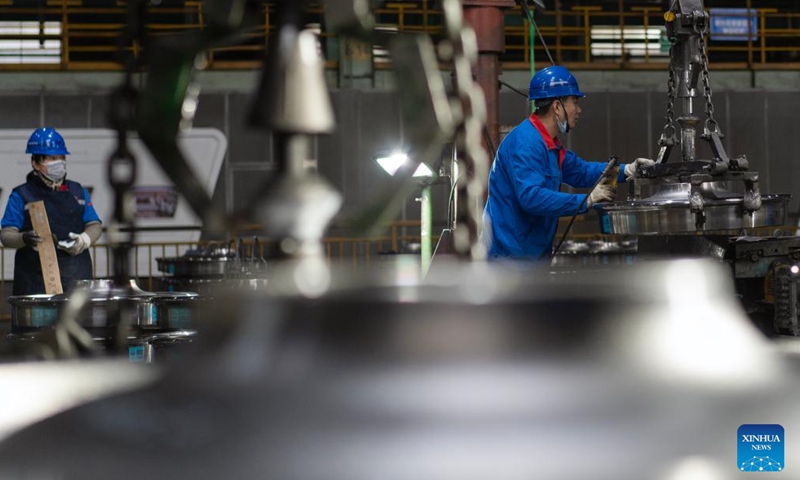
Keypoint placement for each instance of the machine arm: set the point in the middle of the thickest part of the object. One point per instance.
(686, 24)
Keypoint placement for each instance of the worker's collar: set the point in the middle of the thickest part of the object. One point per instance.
(60, 185)
(552, 143)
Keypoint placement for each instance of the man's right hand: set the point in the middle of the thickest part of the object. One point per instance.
(31, 238)
(602, 193)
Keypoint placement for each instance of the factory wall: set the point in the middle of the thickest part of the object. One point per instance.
(624, 122)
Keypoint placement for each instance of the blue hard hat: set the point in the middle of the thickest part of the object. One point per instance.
(553, 82)
(46, 141)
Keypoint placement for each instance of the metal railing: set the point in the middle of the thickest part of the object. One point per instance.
(353, 252)
(88, 34)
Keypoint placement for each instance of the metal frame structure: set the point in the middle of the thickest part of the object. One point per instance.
(89, 34)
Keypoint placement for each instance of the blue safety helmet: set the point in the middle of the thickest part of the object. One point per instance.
(46, 141)
(553, 82)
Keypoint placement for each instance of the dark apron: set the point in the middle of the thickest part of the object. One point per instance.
(65, 214)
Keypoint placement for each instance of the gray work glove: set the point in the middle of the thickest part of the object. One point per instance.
(602, 193)
(76, 246)
(32, 239)
(630, 169)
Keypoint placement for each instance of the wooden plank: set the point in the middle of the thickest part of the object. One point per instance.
(47, 249)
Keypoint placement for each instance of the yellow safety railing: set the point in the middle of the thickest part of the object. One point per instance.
(88, 35)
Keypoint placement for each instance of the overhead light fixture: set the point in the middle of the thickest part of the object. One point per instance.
(394, 161)
(539, 4)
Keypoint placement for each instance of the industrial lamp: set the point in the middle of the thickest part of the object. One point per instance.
(391, 163)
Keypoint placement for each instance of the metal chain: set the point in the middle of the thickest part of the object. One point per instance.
(669, 128)
(701, 42)
(122, 163)
(472, 157)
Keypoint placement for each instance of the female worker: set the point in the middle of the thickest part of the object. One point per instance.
(73, 221)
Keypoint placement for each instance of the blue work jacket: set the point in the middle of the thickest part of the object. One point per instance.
(68, 209)
(524, 204)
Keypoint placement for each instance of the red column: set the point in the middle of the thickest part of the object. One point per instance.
(486, 17)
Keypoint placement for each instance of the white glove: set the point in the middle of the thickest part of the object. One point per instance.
(602, 193)
(630, 169)
(81, 242)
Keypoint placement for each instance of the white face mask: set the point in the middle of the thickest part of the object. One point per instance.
(56, 170)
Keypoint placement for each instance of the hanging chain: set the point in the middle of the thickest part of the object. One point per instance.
(472, 157)
(669, 128)
(711, 124)
(122, 163)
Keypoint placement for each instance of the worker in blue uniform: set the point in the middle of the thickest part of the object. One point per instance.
(74, 223)
(525, 201)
